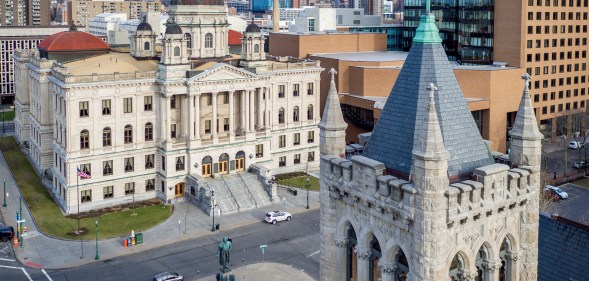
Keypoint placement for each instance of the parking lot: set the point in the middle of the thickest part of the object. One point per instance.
(576, 207)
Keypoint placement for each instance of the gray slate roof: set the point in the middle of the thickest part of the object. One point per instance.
(563, 250)
(395, 133)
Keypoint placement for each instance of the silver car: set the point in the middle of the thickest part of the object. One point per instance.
(168, 276)
(276, 216)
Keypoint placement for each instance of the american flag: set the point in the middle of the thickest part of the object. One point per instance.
(83, 175)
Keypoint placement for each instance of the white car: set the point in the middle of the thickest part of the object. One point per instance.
(561, 193)
(168, 276)
(276, 216)
(575, 145)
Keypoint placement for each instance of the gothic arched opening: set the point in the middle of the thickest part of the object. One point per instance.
(508, 257)
(376, 255)
(456, 267)
(402, 266)
(351, 257)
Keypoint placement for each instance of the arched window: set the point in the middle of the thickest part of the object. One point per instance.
(148, 132)
(106, 137)
(188, 37)
(295, 114)
(176, 51)
(146, 46)
(128, 134)
(208, 40)
(84, 139)
(310, 112)
(281, 116)
(256, 48)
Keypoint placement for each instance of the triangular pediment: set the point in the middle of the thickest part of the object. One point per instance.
(220, 72)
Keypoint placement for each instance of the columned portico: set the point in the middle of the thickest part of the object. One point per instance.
(196, 116)
(260, 93)
(242, 112)
(250, 108)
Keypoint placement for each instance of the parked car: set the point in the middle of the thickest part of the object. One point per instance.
(276, 216)
(576, 145)
(168, 276)
(561, 193)
(581, 164)
(6, 233)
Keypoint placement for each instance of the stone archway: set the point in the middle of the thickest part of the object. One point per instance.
(351, 256)
(460, 268)
(508, 257)
(240, 161)
(486, 264)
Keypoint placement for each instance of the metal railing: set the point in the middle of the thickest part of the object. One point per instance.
(248, 190)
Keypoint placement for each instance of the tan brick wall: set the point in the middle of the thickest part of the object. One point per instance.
(301, 45)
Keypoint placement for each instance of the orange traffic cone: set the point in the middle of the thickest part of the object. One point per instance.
(15, 240)
(125, 243)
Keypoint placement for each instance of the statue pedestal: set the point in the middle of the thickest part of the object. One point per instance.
(225, 276)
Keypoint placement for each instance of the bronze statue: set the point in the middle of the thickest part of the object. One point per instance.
(223, 253)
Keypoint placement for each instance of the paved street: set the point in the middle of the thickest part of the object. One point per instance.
(294, 244)
(575, 207)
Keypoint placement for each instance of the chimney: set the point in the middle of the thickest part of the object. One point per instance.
(276, 16)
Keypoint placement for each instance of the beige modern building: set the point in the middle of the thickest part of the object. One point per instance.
(300, 45)
(24, 12)
(82, 11)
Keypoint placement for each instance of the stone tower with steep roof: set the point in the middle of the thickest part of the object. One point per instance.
(332, 126)
(425, 202)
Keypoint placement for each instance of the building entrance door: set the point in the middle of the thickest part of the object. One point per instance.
(206, 170)
(223, 167)
(180, 189)
(239, 163)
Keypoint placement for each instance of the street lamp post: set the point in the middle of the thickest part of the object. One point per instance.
(307, 185)
(213, 208)
(97, 256)
(4, 205)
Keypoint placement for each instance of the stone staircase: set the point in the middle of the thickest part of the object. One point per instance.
(238, 192)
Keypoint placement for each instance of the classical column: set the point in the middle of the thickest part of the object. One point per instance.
(260, 106)
(251, 109)
(231, 114)
(266, 114)
(363, 263)
(388, 271)
(214, 121)
(182, 122)
(511, 266)
(465, 275)
(341, 255)
(197, 116)
(190, 111)
(491, 270)
(242, 114)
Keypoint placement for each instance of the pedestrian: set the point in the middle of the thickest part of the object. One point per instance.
(229, 239)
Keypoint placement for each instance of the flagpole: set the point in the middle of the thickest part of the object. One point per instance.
(78, 192)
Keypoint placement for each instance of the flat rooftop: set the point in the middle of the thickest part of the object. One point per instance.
(365, 56)
(110, 63)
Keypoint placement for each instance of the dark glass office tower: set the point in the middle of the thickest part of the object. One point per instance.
(466, 28)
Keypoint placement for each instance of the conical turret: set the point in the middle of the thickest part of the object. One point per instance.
(332, 127)
(525, 135)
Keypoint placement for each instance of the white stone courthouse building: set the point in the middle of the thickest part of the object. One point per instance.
(172, 119)
(425, 201)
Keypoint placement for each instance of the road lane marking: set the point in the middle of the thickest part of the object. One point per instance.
(313, 254)
(47, 275)
(6, 260)
(21, 268)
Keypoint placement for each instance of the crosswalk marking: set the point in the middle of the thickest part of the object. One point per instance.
(21, 268)
(47, 275)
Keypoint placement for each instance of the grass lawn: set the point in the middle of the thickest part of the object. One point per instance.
(48, 216)
(301, 181)
(8, 115)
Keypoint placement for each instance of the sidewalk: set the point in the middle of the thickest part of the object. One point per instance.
(41, 251)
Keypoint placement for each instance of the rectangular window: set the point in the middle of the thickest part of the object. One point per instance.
(225, 124)
(311, 25)
(259, 150)
(149, 161)
(309, 88)
(86, 196)
(86, 168)
(108, 192)
(297, 139)
(163, 163)
(282, 141)
(281, 91)
(173, 102)
(180, 163)
(84, 109)
(297, 159)
(148, 132)
(148, 103)
(129, 188)
(207, 126)
(311, 137)
(226, 98)
(150, 185)
(107, 168)
(173, 131)
(210, 99)
(295, 90)
(128, 105)
(129, 164)
(105, 107)
(311, 156)
(282, 161)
